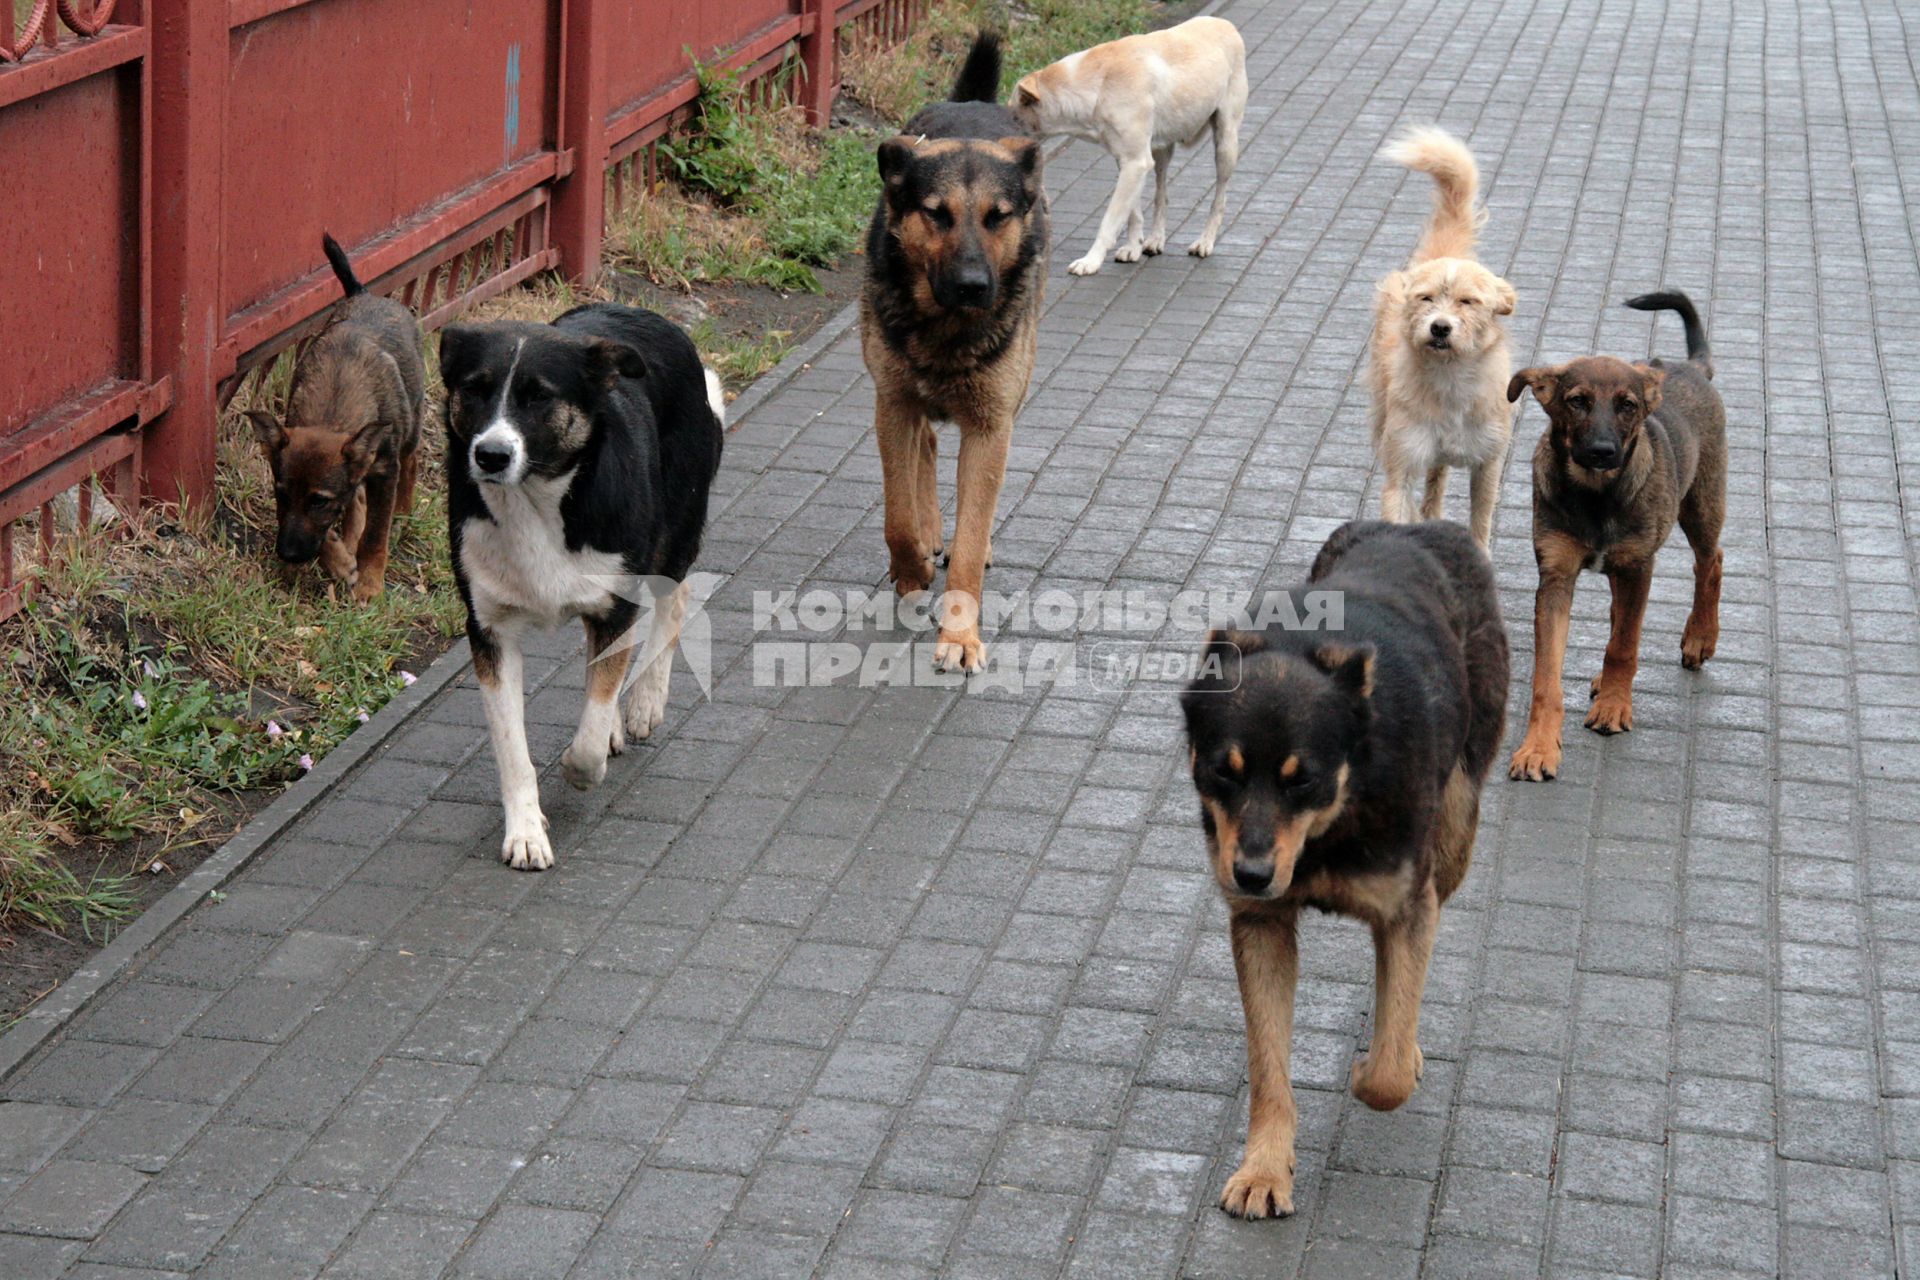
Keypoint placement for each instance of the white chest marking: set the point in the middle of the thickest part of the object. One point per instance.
(518, 565)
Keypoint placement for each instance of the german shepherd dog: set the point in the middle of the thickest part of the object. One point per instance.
(1629, 450)
(345, 459)
(1343, 772)
(579, 454)
(956, 261)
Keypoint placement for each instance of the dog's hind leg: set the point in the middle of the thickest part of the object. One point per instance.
(1384, 1078)
(926, 491)
(647, 699)
(1125, 201)
(1156, 241)
(496, 664)
(610, 644)
(1226, 155)
(1434, 505)
(1485, 489)
(409, 476)
(1266, 958)
(1454, 829)
(1701, 515)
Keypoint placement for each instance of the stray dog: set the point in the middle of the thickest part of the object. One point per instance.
(949, 319)
(579, 455)
(1343, 772)
(1440, 360)
(1138, 97)
(346, 458)
(1629, 450)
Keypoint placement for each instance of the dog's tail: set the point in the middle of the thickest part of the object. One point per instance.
(716, 396)
(1673, 300)
(1450, 231)
(979, 79)
(337, 258)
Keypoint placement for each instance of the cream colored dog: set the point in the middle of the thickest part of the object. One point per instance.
(1440, 359)
(1138, 97)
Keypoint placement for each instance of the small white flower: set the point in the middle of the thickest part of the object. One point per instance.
(139, 701)
(273, 729)
(407, 677)
(306, 763)
(362, 716)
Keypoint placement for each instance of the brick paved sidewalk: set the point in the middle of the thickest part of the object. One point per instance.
(899, 982)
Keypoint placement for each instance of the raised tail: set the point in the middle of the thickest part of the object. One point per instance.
(337, 258)
(1451, 229)
(1675, 301)
(979, 79)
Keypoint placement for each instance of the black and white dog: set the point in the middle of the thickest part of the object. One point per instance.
(578, 460)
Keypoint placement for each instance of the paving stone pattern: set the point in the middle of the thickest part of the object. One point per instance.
(902, 982)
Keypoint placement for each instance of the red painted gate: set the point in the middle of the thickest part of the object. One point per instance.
(169, 166)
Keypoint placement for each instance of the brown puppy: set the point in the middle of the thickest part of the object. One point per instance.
(345, 460)
(1629, 450)
(949, 321)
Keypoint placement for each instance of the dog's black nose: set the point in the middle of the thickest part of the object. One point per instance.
(1440, 328)
(1253, 877)
(973, 291)
(492, 458)
(1603, 456)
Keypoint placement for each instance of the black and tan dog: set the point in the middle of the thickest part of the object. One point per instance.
(345, 459)
(1342, 770)
(1629, 450)
(956, 259)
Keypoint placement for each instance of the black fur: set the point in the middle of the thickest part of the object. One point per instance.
(979, 78)
(1413, 687)
(1698, 351)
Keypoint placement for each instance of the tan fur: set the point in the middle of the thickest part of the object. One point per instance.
(1435, 409)
(1454, 830)
(1266, 958)
(1140, 97)
(1560, 558)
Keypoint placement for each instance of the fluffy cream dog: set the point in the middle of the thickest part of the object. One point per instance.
(1440, 360)
(1138, 97)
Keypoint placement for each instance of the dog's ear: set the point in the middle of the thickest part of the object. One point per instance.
(268, 431)
(1652, 384)
(1026, 152)
(895, 158)
(609, 361)
(1542, 379)
(1351, 667)
(1393, 287)
(1504, 300)
(358, 452)
(1024, 98)
(460, 353)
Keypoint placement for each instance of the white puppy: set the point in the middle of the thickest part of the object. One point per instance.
(1440, 361)
(1138, 97)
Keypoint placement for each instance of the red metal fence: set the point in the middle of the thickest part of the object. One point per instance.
(169, 166)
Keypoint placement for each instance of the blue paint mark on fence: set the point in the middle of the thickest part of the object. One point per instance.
(513, 98)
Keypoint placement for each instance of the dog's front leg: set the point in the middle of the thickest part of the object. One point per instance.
(1126, 199)
(337, 551)
(371, 557)
(1434, 505)
(983, 466)
(1612, 709)
(1485, 489)
(1267, 960)
(1538, 757)
(900, 428)
(610, 643)
(1397, 503)
(647, 701)
(496, 663)
(1402, 947)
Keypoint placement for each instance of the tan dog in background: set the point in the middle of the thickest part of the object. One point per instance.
(1138, 97)
(1440, 360)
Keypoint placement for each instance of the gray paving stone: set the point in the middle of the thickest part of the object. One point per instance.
(69, 1198)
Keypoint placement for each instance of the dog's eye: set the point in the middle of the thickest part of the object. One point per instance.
(1467, 302)
(1580, 400)
(940, 217)
(1426, 297)
(1625, 404)
(993, 219)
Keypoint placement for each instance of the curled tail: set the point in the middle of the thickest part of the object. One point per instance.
(1450, 230)
(979, 79)
(1673, 300)
(337, 258)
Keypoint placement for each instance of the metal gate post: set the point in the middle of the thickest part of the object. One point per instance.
(819, 41)
(189, 78)
(580, 197)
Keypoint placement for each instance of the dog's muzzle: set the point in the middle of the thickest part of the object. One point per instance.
(1440, 335)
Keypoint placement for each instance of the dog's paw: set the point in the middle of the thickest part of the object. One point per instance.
(526, 847)
(960, 651)
(1128, 253)
(368, 588)
(1259, 1191)
(1697, 645)
(1153, 246)
(1537, 760)
(584, 770)
(1611, 713)
(1084, 266)
(910, 573)
(1201, 248)
(1384, 1085)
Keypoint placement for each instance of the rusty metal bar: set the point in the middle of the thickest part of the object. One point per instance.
(579, 218)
